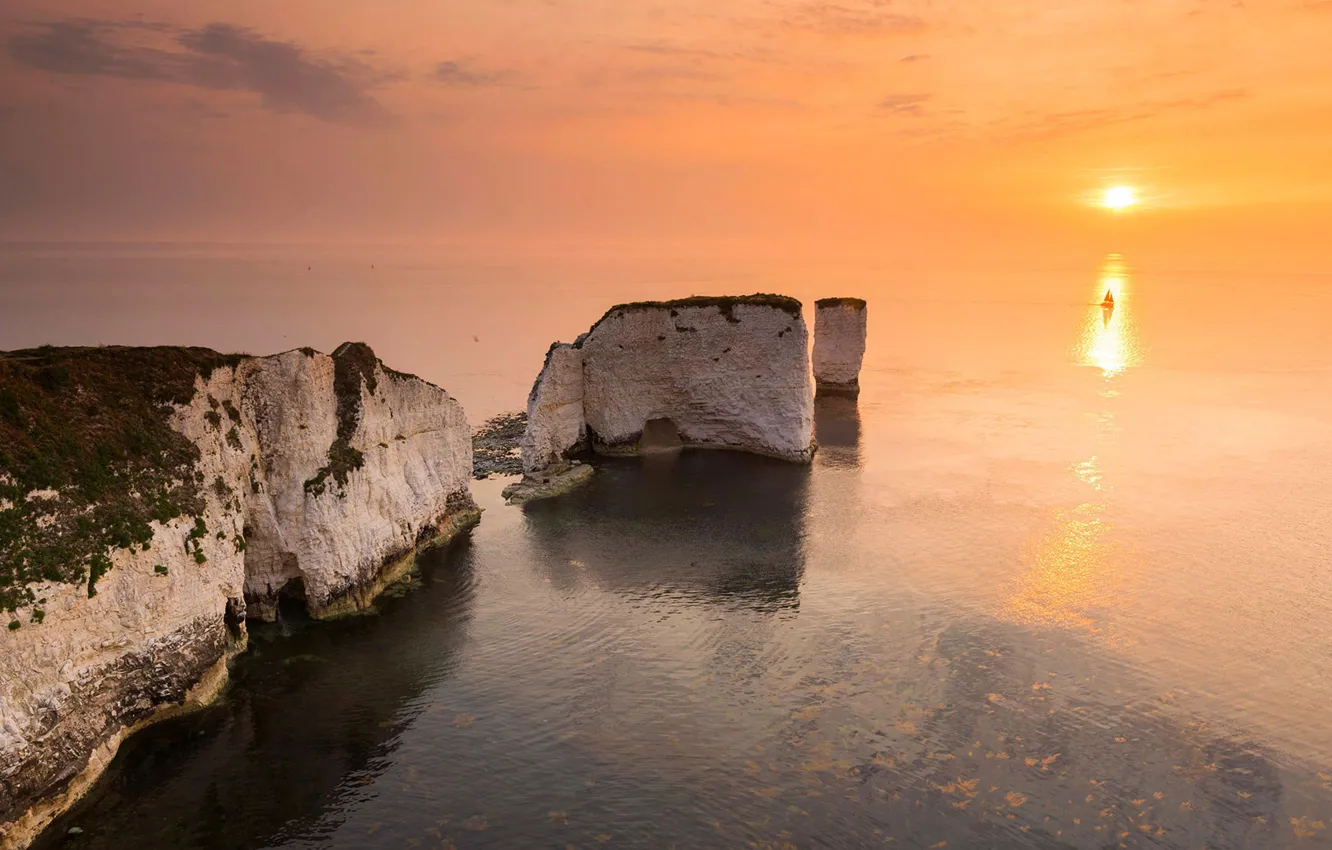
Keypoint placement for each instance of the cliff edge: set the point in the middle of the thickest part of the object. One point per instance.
(151, 499)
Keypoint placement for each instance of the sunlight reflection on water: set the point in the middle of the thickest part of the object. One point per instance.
(1109, 341)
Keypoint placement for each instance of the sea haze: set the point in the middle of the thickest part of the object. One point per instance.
(1060, 578)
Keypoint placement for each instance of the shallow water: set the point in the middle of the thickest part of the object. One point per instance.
(1058, 579)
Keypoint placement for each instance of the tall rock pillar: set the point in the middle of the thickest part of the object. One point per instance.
(839, 344)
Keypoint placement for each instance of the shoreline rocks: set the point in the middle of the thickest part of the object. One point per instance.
(547, 483)
(495, 446)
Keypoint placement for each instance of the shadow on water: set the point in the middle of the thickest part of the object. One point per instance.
(837, 431)
(715, 526)
(312, 714)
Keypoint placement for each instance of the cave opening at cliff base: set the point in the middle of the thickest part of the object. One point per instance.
(660, 435)
(291, 601)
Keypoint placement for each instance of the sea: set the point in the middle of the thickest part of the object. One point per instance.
(1060, 577)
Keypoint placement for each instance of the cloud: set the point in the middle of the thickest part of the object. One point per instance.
(752, 54)
(663, 49)
(903, 104)
(915, 57)
(218, 57)
(832, 19)
(665, 72)
(1058, 124)
(457, 75)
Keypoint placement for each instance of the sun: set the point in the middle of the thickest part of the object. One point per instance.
(1119, 197)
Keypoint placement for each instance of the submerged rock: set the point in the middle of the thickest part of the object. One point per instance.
(839, 344)
(495, 446)
(714, 372)
(549, 482)
(152, 499)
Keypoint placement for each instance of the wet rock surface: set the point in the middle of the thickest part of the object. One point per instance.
(495, 445)
(547, 483)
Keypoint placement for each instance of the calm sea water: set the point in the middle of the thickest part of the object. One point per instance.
(1060, 578)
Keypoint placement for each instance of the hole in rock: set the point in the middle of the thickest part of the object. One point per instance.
(291, 601)
(659, 435)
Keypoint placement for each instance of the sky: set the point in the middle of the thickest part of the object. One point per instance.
(907, 131)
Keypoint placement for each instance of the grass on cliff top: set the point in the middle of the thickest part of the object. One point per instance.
(853, 303)
(725, 305)
(92, 425)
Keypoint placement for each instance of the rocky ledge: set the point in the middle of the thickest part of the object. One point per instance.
(151, 499)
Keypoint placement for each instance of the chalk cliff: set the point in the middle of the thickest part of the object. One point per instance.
(555, 423)
(723, 372)
(839, 344)
(218, 485)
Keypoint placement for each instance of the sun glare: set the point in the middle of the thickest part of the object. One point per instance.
(1119, 197)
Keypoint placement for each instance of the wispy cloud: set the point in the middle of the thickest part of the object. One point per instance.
(833, 19)
(458, 75)
(1057, 124)
(658, 48)
(218, 56)
(903, 104)
(915, 57)
(661, 48)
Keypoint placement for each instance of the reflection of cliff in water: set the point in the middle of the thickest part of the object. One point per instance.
(311, 716)
(721, 526)
(837, 431)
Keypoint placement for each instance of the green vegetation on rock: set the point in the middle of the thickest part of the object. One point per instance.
(353, 365)
(853, 303)
(88, 458)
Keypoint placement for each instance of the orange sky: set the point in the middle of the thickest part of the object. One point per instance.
(901, 130)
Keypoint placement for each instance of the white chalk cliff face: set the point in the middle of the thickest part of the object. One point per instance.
(727, 373)
(320, 474)
(325, 539)
(554, 409)
(839, 344)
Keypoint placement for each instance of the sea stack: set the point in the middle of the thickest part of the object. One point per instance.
(727, 372)
(839, 345)
(154, 498)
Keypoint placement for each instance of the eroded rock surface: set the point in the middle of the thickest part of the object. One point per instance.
(315, 477)
(723, 372)
(839, 344)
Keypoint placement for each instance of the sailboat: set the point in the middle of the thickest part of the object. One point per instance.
(1107, 307)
